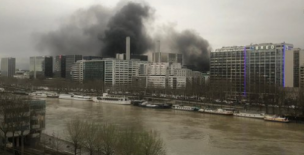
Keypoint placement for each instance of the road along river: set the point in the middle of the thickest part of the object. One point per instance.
(187, 133)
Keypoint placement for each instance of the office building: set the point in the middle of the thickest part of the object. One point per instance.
(41, 67)
(166, 75)
(159, 57)
(8, 67)
(77, 71)
(48, 67)
(59, 66)
(156, 69)
(112, 71)
(87, 70)
(33, 115)
(93, 70)
(257, 67)
(69, 62)
(122, 56)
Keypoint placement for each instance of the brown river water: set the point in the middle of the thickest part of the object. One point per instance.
(187, 133)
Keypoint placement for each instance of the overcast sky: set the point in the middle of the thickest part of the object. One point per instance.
(221, 22)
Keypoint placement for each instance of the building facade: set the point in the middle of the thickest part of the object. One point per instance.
(160, 57)
(59, 66)
(41, 67)
(69, 62)
(93, 70)
(257, 67)
(77, 71)
(8, 67)
(32, 114)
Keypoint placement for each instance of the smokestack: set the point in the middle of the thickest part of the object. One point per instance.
(128, 48)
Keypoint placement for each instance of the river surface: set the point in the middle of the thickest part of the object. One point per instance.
(187, 133)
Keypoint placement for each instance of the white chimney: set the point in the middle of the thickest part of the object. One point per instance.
(128, 48)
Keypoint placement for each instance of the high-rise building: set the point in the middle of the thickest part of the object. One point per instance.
(69, 62)
(48, 66)
(257, 67)
(59, 66)
(41, 67)
(77, 71)
(8, 67)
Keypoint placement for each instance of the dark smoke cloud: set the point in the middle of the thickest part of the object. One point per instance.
(102, 31)
(80, 34)
(195, 49)
(129, 21)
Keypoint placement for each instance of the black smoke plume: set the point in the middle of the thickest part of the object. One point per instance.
(194, 48)
(129, 21)
(102, 31)
(78, 34)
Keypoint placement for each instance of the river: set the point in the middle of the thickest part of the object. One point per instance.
(187, 133)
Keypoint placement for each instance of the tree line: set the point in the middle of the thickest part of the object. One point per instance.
(108, 139)
(259, 91)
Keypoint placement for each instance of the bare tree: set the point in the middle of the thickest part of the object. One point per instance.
(107, 139)
(134, 141)
(90, 135)
(75, 129)
(151, 144)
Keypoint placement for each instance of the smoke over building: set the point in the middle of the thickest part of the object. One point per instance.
(102, 31)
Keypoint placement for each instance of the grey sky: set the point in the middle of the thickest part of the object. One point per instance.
(221, 22)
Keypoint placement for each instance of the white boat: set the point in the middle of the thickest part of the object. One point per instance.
(81, 98)
(152, 106)
(106, 98)
(52, 95)
(276, 119)
(218, 111)
(74, 97)
(38, 94)
(201, 110)
(248, 115)
(65, 96)
(186, 108)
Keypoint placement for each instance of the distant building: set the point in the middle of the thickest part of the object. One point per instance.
(8, 67)
(93, 70)
(91, 57)
(88, 70)
(257, 67)
(159, 57)
(112, 71)
(48, 66)
(77, 71)
(69, 62)
(156, 69)
(41, 67)
(20, 74)
(122, 56)
(166, 75)
(59, 66)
